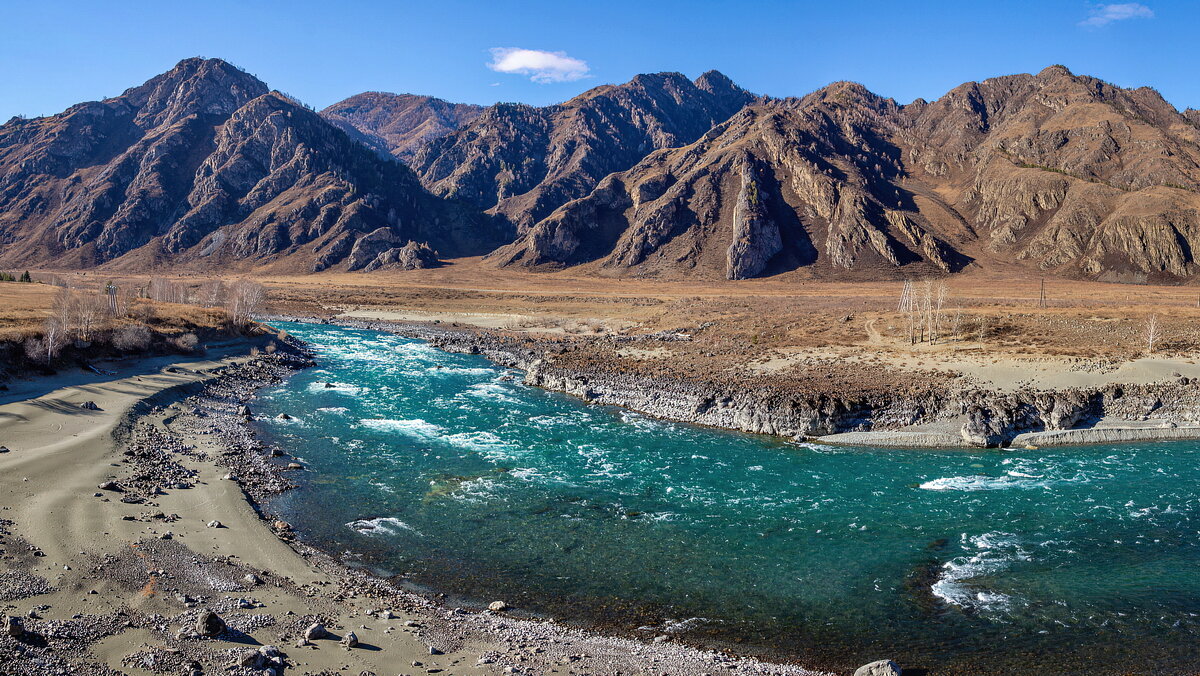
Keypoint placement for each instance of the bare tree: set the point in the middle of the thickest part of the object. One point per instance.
(46, 348)
(908, 305)
(132, 337)
(245, 298)
(1152, 333)
(927, 310)
(213, 294)
(939, 302)
(86, 313)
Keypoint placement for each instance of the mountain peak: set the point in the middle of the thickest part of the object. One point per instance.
(1055, 71)
(714, 80)
(194, 86)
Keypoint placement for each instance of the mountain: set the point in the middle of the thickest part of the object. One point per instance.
(1060, 172)
(204, 166)
(399, 123)
(522, 162)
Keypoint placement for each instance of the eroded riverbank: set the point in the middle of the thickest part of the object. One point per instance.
(938, 413)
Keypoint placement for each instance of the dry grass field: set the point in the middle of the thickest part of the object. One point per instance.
(992, 326)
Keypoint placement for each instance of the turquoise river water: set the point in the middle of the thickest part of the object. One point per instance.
(445, 471)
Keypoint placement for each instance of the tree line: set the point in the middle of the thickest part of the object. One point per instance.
(120, 314)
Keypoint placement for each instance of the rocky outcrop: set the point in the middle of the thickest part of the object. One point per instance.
(378, 250)
(399, 123)
(523, 162)
(204, 166)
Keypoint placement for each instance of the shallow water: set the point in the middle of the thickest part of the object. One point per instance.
(446, 470)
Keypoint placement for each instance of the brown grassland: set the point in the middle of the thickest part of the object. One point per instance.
(845, 335)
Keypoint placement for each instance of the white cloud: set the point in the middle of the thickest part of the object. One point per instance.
(1103, 15)
(541, 67)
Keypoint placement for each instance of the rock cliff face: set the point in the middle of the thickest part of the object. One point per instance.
(204, 166)
(523, 162)
(1063, 172)
(399, 123)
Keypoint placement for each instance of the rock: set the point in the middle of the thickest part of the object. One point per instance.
(244, 411)
(315, 631)
(244, 604)
(215, 524)
(350, 640)
(295, 465)
(252, 579)
(498, 606)
(110, 486)
(329, 386)
(283, 416)
(434, 651)
(209, 624)
(4, 449)
(282, 526)
(89, 406)
(250, 658)
(13, 626)
(879, 668)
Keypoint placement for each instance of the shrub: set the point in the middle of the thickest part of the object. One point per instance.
(131, 337)
(187, 342)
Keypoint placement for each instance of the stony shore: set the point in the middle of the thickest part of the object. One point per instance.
(134, 511)
(965, 416)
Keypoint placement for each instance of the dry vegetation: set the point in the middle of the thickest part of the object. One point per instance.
(66, 319)
(810, 333)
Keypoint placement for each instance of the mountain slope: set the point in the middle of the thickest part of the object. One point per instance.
(523, 162)
(1060, 172)
(399, 123)
(204, 165)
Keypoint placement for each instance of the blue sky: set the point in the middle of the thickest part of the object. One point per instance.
(54, 54)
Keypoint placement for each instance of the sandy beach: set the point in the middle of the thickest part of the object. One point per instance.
(114, 579)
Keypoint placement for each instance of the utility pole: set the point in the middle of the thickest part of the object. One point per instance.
(1042, 299)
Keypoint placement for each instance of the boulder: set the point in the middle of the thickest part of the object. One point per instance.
(13, 626)
(498, 606)
(350, 640)
(89, 406)
(209, 624)
(315, 631)
(879, 668)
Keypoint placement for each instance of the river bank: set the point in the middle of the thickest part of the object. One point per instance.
(1146, 400)
(134, 505)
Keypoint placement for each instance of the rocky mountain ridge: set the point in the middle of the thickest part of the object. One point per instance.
(205, 166)
(1063, 173)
